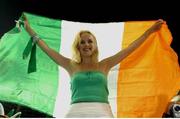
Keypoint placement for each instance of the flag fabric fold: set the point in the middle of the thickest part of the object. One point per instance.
(140, 86)
(30, 48)
(36, 90)
(149, 77)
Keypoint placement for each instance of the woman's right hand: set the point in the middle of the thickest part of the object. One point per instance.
(28, 27)
(26, 23)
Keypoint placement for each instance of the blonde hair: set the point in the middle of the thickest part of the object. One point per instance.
(75, 51)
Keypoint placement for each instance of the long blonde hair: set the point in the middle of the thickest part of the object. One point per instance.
(75, 51)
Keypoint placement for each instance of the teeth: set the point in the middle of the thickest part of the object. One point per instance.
(87, 49)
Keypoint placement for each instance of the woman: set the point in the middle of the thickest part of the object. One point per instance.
(88, 75)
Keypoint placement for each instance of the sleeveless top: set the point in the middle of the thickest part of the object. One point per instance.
(89, 86)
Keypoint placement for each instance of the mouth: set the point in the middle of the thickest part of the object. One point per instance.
(87, 49)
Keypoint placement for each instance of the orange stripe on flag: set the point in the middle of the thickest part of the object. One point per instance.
(150, 76)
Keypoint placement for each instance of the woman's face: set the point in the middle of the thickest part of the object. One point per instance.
(87, 45)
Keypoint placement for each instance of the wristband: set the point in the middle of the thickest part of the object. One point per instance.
(35, 38)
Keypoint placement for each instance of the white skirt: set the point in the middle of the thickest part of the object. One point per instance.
(89, 109)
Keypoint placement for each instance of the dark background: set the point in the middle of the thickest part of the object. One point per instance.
(90, 11)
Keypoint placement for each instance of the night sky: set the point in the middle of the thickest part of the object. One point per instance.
(90, 11)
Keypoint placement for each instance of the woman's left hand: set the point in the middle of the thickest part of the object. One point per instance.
(156, 26)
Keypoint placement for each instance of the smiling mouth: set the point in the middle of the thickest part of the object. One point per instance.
(87, 49)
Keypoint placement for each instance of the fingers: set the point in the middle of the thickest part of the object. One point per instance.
(160, 21)
(24, 17)
(158, 24)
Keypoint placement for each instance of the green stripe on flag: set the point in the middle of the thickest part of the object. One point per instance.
(37, 90)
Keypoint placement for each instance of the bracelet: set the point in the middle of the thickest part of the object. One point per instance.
(35, 38)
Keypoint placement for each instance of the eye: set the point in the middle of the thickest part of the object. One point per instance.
(90, 41)
(82, 42)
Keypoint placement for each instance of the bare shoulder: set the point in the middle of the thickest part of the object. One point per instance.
(74, 68)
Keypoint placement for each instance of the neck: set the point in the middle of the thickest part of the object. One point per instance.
(88, 60)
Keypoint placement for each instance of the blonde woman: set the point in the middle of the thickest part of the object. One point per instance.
(89, 75)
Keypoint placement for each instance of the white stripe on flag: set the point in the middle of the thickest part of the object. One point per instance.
(109, 39)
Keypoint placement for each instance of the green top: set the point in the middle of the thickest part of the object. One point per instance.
(89, 86)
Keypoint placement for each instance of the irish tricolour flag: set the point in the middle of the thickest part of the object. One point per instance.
(140, 86)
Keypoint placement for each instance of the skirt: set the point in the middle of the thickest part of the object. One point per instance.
(89, 109)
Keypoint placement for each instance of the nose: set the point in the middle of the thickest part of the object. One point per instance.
(86, 44)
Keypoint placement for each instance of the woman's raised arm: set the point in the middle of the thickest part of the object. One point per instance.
(55, 56)
(115, 59)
